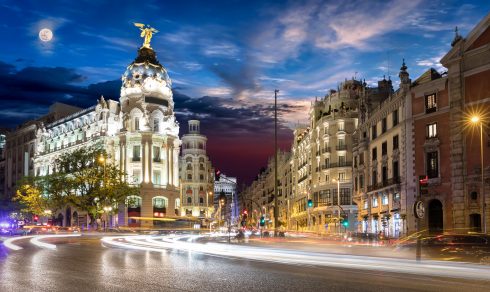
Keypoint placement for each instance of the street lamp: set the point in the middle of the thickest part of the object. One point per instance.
(476, 120)
(338, 200)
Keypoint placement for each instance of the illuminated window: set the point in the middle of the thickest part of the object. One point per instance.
(375, 202)
(431, 130)
(430, 103)
(384, 199)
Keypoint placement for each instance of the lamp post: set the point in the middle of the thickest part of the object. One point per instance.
(338, 200)
(221, 203)
(476, 120)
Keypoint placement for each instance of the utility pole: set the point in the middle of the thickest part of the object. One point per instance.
(276, 207)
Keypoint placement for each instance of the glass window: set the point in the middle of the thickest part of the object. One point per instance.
(341, 126)
(136, 176)
(189, 200)
(384, 199)
(384, 148)
(361, 181)
(430, 103)
(136, 152)
(431, 130)
(432, 164)
(375, 202)
(156, 177)
(159, 202)
(156, 125)
(136, 123)
(341, 160)
(341, 176)
(375, 154)
(395, 117)
(374, 132)
(396, 170)
(156, 153)
(384, 125)
(366, 204)
(395, 142)
(201, 200)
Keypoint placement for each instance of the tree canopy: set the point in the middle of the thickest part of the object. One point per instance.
(85, 178)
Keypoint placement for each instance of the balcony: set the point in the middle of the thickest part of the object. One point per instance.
(341, 147)
(157, 159)
(385, 183)
(302, 178)
(135, 159)
(326, 150)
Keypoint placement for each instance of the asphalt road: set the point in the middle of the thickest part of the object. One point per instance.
(83, 264)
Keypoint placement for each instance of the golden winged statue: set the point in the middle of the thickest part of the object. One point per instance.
(147, 33)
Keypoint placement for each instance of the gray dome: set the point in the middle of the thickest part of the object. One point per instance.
(144, 66)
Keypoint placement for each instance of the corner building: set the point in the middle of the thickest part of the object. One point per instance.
(140, 135)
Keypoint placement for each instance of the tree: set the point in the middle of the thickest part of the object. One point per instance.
(91, 184)
(79, 179)
(29, 196)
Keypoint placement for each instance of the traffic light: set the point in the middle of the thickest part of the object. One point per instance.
(36, 218)
(217, 175)
(423, 185)
(345, 221)
(310, 203)
(262, 221)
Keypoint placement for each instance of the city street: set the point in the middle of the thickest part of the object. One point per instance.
(107, 267)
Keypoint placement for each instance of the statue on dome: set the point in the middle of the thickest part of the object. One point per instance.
(146, 33)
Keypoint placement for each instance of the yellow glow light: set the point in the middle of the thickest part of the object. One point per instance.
(475, 119)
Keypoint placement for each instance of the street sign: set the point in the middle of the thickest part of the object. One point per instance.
(419, 209)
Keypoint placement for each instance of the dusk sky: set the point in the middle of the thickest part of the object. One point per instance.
(225, 58)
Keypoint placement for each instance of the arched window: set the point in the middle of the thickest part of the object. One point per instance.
(188, 159)
(133, 201)
(160, 202)
(201, 200)
(189, 200)
(201, 159)
(189, 176)
(189, 167)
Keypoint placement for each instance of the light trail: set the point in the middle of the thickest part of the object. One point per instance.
(36, 240)
(9, 242)
(295, 257)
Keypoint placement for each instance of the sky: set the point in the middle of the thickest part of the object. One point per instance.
(225, 58)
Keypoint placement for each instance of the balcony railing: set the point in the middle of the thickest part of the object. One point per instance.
(326, 150)
(341, 147)
(302, 178)
(385, 183)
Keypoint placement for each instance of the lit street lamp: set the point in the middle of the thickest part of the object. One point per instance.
(476, 120)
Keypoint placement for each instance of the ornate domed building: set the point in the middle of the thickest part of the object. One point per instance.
(140, 135)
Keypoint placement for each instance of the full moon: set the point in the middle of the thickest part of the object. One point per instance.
(45, 35)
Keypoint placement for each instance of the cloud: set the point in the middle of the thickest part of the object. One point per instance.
(433, 62)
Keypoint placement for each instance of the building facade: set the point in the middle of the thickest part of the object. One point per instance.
(140, 135)
(382, 153)
(197, 175)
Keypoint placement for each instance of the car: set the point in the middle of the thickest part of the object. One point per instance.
(41, 230)
(451, 247)
(73, 229)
